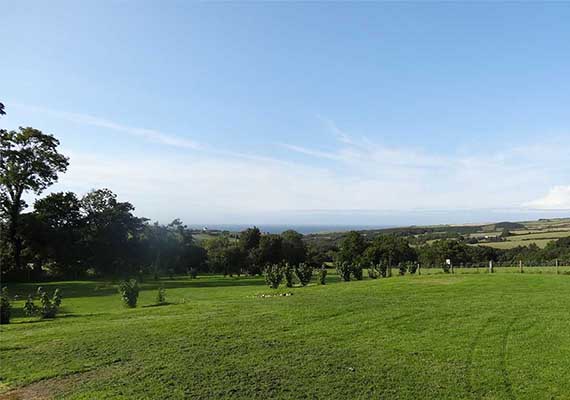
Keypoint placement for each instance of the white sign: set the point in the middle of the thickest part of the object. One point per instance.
(448, 261)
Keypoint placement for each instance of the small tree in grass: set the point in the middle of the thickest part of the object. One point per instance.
(161, 296)
(5, 306)
(129, 291)
(288, 271)
(357, 271)
(274, 275)
(413, 268)
(373, 272)
(344, 269)
(304, 273)
(323, 275)
(49, 305)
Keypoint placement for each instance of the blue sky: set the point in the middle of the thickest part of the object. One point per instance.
(300, 113)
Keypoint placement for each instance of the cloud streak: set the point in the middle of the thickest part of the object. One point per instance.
(151, 135)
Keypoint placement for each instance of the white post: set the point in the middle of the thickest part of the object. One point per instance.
(419, 269)
(520, 266)
(491, 266)
(557, 270)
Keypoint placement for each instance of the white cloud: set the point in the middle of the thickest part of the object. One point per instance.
(215, 185)
(147, 134)
(558, 198)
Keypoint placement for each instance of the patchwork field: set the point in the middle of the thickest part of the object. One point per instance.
(490, 336)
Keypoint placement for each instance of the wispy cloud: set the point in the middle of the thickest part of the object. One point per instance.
(557, 198)
(151, 135)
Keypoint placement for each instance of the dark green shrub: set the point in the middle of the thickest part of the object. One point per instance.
(383, 269)
(5, 307)
(357, 272)
(129, 291)
(344, 269)
(30, 309)
(304, 273)
(402, 269)
(323, 275)
(193, 273)
(413, 268)
(288, 271)
(373, 272)
(49, 305)
(274, 275)
(161, 296)
(446, 268)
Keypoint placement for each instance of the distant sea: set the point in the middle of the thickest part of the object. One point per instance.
(304, 229)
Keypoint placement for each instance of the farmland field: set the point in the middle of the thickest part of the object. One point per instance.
(490, 336)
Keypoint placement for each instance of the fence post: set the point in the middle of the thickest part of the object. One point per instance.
(491, 266)
(520, 266)
(419, 269)
(557, 270)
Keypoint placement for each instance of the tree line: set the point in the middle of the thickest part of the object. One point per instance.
(70, 236)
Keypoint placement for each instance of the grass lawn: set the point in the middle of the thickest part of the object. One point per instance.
(466, 336)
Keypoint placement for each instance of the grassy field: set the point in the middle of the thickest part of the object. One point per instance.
(476, 336)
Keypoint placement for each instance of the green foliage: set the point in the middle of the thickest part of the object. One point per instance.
(382, 269)
(412, 268)
(344, 270)
(293, 247)
(29, 162)
(304, 273)
(351, 248)
(161, 296)
(49, 306)
(373, 271)
(288, 271)
(129, 291)
(402, 269)
(274, 275)
(357, 271)
(30, 309)
(389, 250)
(5, 307)
(322, 275)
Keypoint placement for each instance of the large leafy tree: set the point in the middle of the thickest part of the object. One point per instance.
(60, 224)
(351, 248)
(29, 162)
(293, 247)
(112, 234)
(2, 112)
(389, 250)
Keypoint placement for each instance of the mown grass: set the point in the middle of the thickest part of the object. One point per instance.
(490, 336)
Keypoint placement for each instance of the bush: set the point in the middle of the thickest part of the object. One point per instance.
(161, 296)
(373, 272)
(383, 270)
(413, 268)
(446, 268)
(193, 273)
(402, 268)
(274, 275)
(323, 275)
(357, 272)
(288, 271)
(129, 291)
(49, 306)
(30, 309)
(344, 269)
(304, 273)
(5, 307)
